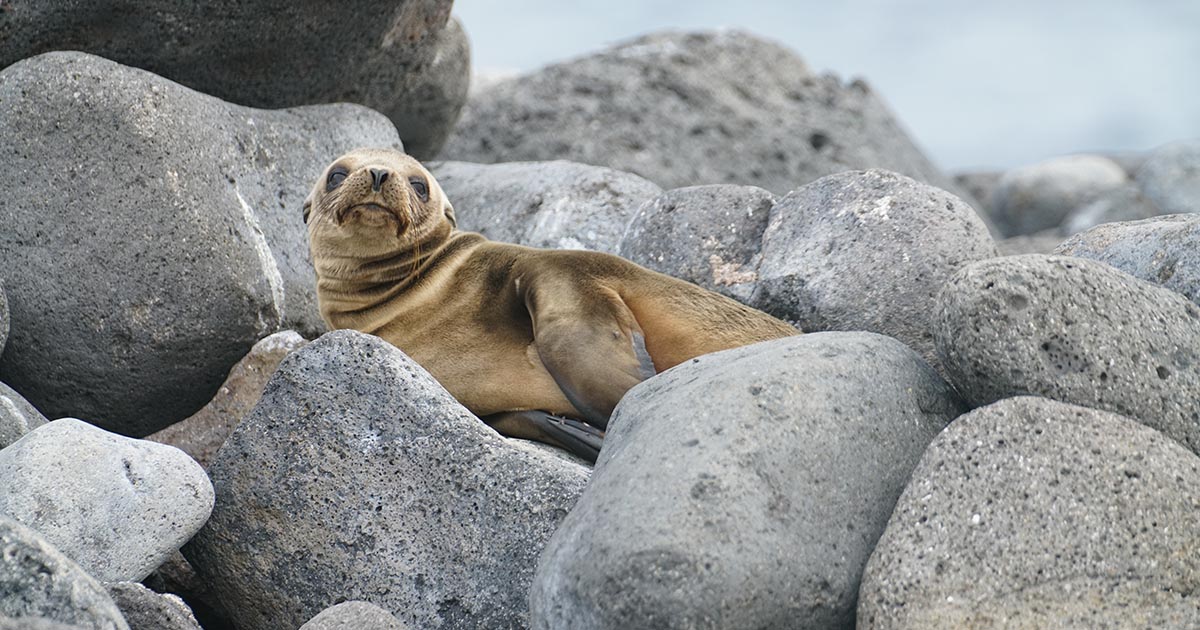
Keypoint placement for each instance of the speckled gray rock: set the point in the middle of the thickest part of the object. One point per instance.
(707, 235)
(406, 58)
(684, 109)
(35, 623)
(152, 234)
(203, 433)
(744, 489)
(1031, 514)
(358, 477)
(37, 580)
(1170, 177)
(17, 416)
(354, 616)
(1032, 198)
(4, 325)
(1163, 250)
(866, 250)
(115, 505)
(559, 205)
(1124, 203)
(1073, 330)
(979, 185)
(144, 609)
(1042, 242)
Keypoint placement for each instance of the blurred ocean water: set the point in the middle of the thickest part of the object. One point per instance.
(978, 84)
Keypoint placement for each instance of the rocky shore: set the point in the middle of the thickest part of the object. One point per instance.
(992, 421)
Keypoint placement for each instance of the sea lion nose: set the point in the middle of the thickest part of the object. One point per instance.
(378, 176)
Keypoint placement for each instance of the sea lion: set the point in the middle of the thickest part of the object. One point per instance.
(540, 344)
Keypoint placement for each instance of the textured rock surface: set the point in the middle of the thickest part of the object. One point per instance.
(152, 234)
(744, 489)
(115, 505)
(37, 580)
(707, 235)
(176, 576)
(561, 205)
(407, 59)
(3, 319)
(17, 416)
(866, 251)
(1073, 330)
(682, 109)
(202, 434)
(354, 616)
(1124, 203)
(358, 477)
(1037, 197)
(35, 623)
(1163, 250)
(1031, 514)
(146, 610)
(1170, 177)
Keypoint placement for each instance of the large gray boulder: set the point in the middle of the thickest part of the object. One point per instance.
(406, 58)
(745, 489)
(1124, 203)
(35, 623)
(151, 234)
(1170, 177)
(683, 109)
(144, 609)
(867, 251)
(557, 205)
(708, 235)
(204, 432)
(1031, 514)
(117, 506)
(17, 416)
(354, 616)
(358, 477)
(1163, 250)
(1039, 196)
(37, 580)
(1074, 330)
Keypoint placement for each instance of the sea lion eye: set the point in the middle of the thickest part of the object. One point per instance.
(420, 187)
(336, 176)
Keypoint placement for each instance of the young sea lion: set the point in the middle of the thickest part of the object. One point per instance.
(539, 343)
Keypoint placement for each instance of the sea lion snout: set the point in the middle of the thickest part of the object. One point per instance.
(378, 177)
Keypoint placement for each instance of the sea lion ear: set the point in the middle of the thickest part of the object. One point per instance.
(308, 207)
(449, 210)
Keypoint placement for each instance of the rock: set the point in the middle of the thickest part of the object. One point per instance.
(3, 319)
(37, 580)
(177, 577)
(1031, 514)
(558, 205)
(202, 201)
(1037, 197)
(979, 185)
(707, 235)
(1164, 250)
(115, 505)
(1042, 242)
(1073, 330)
(202, 434)
(1125, 203)
(17, 416)
(35, 623)
(358, 477)
(407, 59)
(1131, 161)
(682, 109)
(146, 610)
(354, 616)
(841, 254)
(744, 489)
(1170, 178)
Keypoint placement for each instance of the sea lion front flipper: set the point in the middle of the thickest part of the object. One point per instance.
(589, 342)
(576, 437)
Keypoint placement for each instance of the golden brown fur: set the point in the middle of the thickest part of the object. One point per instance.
(503, 327)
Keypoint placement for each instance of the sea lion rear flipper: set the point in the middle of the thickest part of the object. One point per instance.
(578, 438)
(590, 344)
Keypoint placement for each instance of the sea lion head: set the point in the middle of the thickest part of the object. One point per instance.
(376, 202)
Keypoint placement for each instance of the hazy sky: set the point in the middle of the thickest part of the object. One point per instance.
(978, 84)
